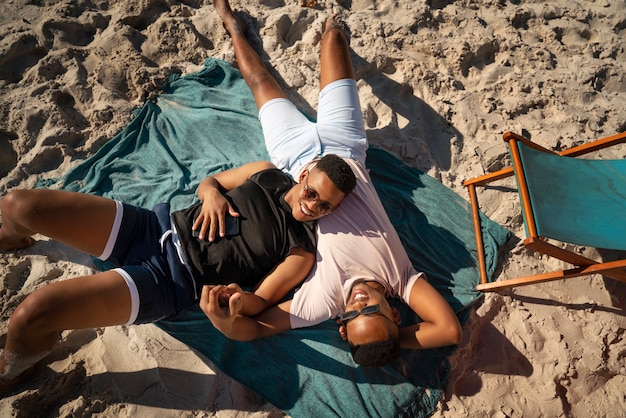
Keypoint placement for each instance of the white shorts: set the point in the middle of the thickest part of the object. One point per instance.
(293, 140)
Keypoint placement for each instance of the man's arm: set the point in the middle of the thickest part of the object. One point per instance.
(440, 326)
(285, 276)
(280, 281)
(237, 327)
(214, 204)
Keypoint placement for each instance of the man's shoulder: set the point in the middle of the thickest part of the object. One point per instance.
(272, 178)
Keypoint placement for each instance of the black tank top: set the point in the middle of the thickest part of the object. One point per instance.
(267, 234)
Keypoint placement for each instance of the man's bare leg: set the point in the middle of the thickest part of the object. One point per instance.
(263, 85)
(83, 222)
(335, 59)
(83, 302)
(79, 220)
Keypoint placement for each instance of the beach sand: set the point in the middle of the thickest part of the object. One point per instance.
(440, 82)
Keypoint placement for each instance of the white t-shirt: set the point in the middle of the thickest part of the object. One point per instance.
(356, 241)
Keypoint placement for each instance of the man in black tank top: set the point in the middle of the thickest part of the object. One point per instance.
(272, 250)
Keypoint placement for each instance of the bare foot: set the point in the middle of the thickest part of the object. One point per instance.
(9, 386)
(331, 23)
(230, 20)
(9, 243)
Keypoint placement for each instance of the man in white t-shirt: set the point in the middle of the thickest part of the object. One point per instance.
(360, 260)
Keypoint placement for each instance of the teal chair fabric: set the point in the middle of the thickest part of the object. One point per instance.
(575, 200)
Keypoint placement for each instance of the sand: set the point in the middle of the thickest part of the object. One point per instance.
(440, 82)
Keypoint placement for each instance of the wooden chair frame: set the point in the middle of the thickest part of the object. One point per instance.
(582, 265)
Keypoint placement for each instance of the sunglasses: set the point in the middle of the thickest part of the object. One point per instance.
(310, 194)
(368, 310)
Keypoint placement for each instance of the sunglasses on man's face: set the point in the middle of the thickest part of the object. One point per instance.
(310, 194)
(368, 310)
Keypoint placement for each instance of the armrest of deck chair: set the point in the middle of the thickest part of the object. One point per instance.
(570, 152)
(576, 151)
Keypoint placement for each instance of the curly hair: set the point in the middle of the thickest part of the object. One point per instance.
(376, 353)
(338, 171)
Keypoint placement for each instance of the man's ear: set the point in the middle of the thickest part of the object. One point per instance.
(342, 331)
(397, 318)
(339, 204)
(303, 175)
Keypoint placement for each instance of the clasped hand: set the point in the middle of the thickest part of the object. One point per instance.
(222, 305)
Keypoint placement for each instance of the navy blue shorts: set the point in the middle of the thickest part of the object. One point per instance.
(163, 285)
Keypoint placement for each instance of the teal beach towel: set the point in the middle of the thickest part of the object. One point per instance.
(207, 122)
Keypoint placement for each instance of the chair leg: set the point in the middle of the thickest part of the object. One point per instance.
(611, 269)
(478, 234)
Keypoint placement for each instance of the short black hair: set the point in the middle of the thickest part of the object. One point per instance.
(338, 171)
(377, 353)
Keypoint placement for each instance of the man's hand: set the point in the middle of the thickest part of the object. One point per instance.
(213, 215)
(222, 305)
(214, 204)
(230, 320)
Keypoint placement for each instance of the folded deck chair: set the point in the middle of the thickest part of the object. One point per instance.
(564, 200)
